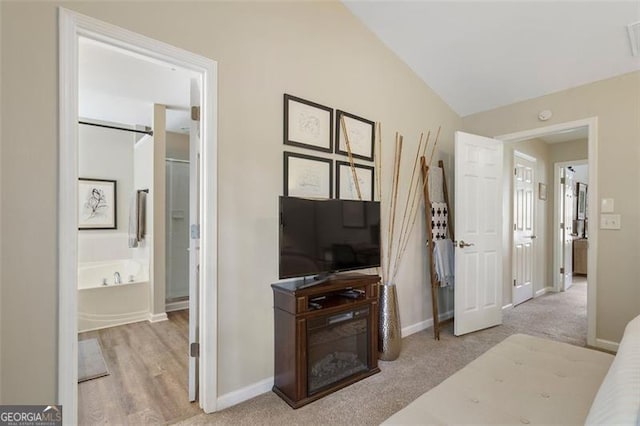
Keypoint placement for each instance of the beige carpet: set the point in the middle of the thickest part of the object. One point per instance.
(423, 364)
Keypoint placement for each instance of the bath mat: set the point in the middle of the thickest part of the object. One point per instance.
(91, 364)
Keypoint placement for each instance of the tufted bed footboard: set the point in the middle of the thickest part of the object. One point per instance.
(522, 380)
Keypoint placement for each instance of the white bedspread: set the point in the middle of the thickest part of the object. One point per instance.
(522, 380)
(618, 400)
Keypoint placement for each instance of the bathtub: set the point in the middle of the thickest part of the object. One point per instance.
(102, 306)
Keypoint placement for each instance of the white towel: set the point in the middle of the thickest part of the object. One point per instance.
(436, 185)
(443, 257)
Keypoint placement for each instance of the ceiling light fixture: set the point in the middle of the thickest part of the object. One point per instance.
(634, 37)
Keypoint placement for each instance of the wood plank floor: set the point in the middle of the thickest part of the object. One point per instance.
(148, 365)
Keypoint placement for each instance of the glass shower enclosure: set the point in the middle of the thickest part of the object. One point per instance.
(177, 230)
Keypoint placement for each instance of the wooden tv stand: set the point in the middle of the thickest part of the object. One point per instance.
(326, 336)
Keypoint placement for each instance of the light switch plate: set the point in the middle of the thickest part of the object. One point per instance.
(606, 205)
(610, 221)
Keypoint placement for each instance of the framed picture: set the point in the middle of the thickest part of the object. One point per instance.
(361, 135)
(307, 124)
(97, 208)
(542, 191)
(345, 187)
(582, 201)
(307, 176)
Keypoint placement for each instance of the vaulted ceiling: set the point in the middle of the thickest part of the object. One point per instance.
(479, 55)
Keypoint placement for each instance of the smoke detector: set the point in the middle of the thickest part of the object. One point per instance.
(545, 115)
(634, 38)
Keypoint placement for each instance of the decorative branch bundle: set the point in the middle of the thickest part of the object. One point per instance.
(397, 245)
(356, 182)
(391, 258)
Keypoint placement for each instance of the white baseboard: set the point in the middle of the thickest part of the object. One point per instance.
(158, 317)
(246, 393)
(543, 291)
(607, 345)
(177, 306)
(423, 325)
(509, 306)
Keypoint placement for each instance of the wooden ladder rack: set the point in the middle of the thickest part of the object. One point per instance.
(435, 284)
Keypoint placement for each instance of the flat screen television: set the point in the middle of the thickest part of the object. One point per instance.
(326, 236)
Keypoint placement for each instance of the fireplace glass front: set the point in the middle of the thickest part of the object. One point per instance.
(337, 348)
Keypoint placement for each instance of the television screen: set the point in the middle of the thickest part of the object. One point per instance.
(327, 236)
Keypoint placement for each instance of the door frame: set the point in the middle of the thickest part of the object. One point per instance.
(534, 272)
(73, 25)
(592, 196)
(557, 244)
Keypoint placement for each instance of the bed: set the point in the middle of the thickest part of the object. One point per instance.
(530, 380)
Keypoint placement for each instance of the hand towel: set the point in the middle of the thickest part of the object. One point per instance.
(142, 215)
(137, 217)
(133, 220)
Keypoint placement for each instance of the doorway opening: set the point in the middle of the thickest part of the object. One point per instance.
(571, 224)
(145, 278)
(135, 139)
(551, 146)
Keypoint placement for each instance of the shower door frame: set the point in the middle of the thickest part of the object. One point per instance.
(73, 25)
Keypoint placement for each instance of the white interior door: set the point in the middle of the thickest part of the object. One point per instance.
(478, 224)
(568, 206)
(523, 227)
(194, 241)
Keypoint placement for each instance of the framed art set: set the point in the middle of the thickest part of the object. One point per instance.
(310, 125)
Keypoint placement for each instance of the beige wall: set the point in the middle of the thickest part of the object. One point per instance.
(108, 154)
(616, 103)
(177, 146)
(569, 151)
(542, 257)
(317, 51)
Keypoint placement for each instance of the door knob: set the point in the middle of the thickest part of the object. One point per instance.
(462, 244)
(532, 237)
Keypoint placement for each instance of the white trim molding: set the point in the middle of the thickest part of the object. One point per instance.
(423, 325)
(543, 291)
(158, 317)
(179, 305)
(592, 257)
(236, 397)
(72, 26)
(607, 345)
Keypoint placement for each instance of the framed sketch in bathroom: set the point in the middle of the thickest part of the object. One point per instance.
(582, 201)
(97, 204)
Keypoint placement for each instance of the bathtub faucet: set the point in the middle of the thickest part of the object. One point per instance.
(116, 278)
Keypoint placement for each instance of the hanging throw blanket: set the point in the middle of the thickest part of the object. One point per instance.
(443, 257)
(436, 185)
(439, 213)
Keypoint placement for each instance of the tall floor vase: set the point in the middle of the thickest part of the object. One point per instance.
(389, 332)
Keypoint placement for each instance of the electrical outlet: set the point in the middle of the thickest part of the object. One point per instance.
(610, 221)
